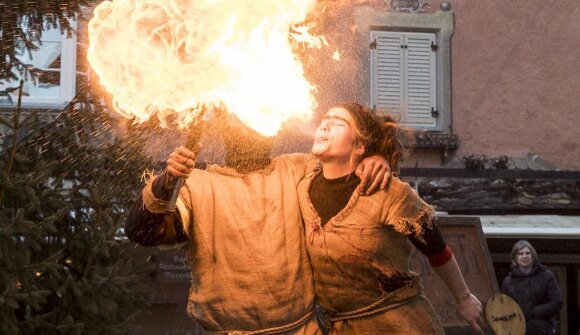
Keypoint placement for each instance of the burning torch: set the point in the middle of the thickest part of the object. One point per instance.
(196, 131)
(186, 56)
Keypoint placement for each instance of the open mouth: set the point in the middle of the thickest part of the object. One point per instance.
(321, 140)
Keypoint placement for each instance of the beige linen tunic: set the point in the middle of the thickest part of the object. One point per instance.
(363, 245)
(250, 268)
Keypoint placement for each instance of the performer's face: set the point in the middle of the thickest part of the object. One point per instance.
(524, 258)
(335, 137)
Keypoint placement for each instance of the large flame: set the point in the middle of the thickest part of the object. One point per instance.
(171, 57)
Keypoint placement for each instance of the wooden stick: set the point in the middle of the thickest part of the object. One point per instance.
(193, 138)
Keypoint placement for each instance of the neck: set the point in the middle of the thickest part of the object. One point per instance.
(526, 269)
(334, 169)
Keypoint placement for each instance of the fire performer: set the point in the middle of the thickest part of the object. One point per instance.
(243, 233)
(358, 245)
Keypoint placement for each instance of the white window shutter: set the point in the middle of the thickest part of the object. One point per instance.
(387, 71)
(420, 81)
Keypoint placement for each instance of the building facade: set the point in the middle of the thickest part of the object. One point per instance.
(490, 89)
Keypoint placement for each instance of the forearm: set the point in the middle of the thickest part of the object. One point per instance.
(162, 186)
(144, 227)
(150, 228)
(554, 301)
(546, 311)
(468, 306)
(453, 279)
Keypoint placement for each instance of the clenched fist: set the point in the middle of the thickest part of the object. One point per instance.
(181, 162)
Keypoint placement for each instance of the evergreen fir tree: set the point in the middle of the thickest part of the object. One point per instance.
(66, 183)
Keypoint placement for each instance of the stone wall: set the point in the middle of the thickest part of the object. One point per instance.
(505, 195)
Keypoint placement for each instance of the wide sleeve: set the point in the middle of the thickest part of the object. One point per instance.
(184, 207)
(432, 244)
(405, 211)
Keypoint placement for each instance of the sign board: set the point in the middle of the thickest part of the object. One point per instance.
(172, 267)
(465, 238)
(172, 278)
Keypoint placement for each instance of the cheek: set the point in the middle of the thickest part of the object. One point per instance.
(348, 141)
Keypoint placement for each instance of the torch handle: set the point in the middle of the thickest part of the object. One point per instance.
(193, 138)
(173, 201)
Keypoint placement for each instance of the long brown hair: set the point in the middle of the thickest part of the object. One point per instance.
(378, 134)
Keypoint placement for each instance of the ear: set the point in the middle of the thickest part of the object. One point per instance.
(359, 149)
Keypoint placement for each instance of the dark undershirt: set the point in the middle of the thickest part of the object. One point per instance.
(330, 196)
(143, 226)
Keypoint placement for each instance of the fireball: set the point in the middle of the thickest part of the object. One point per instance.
(177, 57)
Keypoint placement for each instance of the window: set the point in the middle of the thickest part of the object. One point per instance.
(54, 86)
(414, 80)
(403, 77)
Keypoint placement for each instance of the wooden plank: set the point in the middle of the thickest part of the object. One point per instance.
(465, 238)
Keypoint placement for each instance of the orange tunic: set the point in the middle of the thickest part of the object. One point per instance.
(250, 268)
(361, 251)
